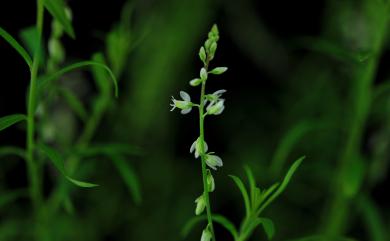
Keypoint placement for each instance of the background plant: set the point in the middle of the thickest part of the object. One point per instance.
(297, 66)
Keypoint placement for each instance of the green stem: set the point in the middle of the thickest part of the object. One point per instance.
(202, 156)
(32, 164)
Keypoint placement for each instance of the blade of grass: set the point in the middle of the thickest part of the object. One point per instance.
(57, 160)
(244, 193)
(10, 120)
(16, 46)
(57, 10)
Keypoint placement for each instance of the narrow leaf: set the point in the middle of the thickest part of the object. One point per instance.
(129, 177)
(44, 82)
(10, 120)
(268, 226)
(58, 162)
(12, 150)
(74, 103)
(57, 10)
(244, 193)
(284, 184)
(252, 184)
(16, 46)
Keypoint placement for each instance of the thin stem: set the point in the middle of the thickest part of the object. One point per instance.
(202, 151)
(33, 167)
(32, 164)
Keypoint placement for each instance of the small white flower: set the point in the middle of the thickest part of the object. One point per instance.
(213, 161)
(200, 205)
(185, 105)
(206, 235)
(197, 147)
(216, 108)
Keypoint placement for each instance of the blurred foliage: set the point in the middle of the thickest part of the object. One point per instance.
(305, 78)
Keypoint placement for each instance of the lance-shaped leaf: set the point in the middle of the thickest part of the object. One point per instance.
(10, 120)
(16, 46)
(58, 162)
(57, 10)
(244, 193)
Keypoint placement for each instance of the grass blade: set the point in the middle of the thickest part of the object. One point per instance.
(252, 184)
(74, 103)
(244, 193)
(56, 159)
(129, 177)
(44, 82)
(12, 150)
(16, 46)
(57, 10)
(284, 184)
(10, 120)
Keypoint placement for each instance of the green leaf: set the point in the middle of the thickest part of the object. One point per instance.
(16, 46)
(10, 120)
(219, 70)
(268, 226)
(283, 186)
(244, 193)
(57, 10)
(129, 177)
(266, 193)
(100, 76)
(252, 184)
(13, 150)
(353, 177)
(58, 162)
(44, 82)
(30, 39)
(224, 222)
(74, 103)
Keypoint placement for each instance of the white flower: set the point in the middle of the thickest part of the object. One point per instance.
(197, 147)
(213, 161)
(185, 105)
(200, 205)
(216, 108)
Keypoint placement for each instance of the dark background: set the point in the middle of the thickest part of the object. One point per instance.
(292, 67)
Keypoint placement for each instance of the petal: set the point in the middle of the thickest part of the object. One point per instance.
(219, 92)
(185, 96)
(193, 147)
(186, 111)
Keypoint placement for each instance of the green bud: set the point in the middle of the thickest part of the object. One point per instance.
(195, 82)
(210, 181)
(207, 45)
(200, 205)
(202, 55)
(213, 48)
(56, 50)
(203, 74)
(218, 70)
(206, 234)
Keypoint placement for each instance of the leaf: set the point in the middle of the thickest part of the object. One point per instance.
(74, 103)
(44, 82)
(353, 177)
(266, 193)
(58, 162)
(252, 184)
(268, 226)
(244, 193)
(12, 150)
(129, 177)
(224, 222)
(30, 39)
(10, 120)
(57, 10)
(100, 76)
(372, 218)
(284, 184)
(16, 46)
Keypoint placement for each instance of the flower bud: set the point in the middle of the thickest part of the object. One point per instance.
(210, 181)
(215, 108)
(203, 74)
(195, 82)
(200, 205)
(206, 235)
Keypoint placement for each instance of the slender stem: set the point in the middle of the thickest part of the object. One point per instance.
(202, 151)
(33, 167)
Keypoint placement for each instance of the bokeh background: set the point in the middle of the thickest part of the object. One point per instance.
(305, 78)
